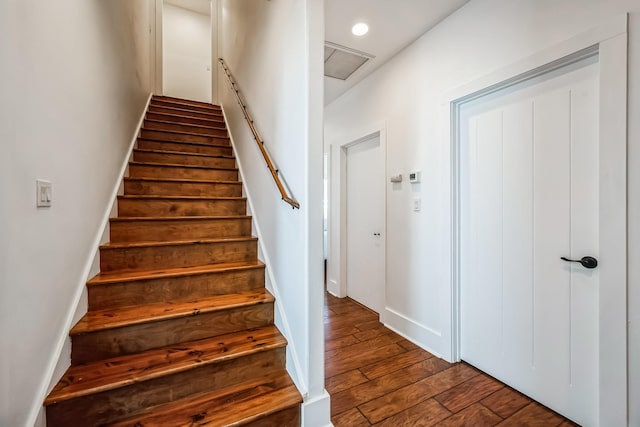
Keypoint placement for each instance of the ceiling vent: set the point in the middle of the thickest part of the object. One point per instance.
(340, 61)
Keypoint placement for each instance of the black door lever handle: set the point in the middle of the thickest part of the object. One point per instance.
(587, 261)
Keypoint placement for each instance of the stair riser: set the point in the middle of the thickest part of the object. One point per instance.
(178, 229)
(204, 189)
(136, 338)
(114, 404)
(174, 172)
(213, 115)
(209, 150)
(174, 256)
(285, 418)
(183, 288)
(182, 137)
(177, 208)
(182, 127)
(183, 106)
(176, 117)
(183, 159)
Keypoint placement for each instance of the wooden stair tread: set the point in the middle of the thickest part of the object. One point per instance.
(117, 245)
(178, 198)
(179, 132)
(233, 406)
(222, 128)
(185, 153)
(124, 316)
(213, 113)
(135, 275)
(176, 218)
(174, 165)
(206, 144)
(184, 180)
(115, 372)
(184, 101)
(218, 117)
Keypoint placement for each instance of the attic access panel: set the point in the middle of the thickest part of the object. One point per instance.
(340, 62)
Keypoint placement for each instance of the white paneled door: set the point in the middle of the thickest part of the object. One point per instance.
(365, 223)
(529, 196)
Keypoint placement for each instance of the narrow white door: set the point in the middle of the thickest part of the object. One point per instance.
(529, 196)
(365, 224)
(186, 46)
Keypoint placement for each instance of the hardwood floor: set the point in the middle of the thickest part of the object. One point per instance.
(376, 377)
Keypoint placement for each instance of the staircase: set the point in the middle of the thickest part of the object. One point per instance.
(179, 329)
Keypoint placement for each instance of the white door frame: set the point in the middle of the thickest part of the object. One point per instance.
(214, 14)
(338, 159)
(159, 77)
(610, 43)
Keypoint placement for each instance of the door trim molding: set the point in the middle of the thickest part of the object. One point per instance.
(610, 43)
(337, 221)
(158, 60)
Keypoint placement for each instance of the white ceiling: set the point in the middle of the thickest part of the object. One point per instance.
(393, 25)
(200, 6)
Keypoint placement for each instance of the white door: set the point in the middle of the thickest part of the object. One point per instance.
(186, 45)
(529, 196)
(365, 224)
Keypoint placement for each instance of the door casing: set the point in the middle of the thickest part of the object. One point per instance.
(338, 155)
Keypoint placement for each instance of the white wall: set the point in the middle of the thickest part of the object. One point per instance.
(406, 93)
(75, 77)
(274, 50)
(186, 53)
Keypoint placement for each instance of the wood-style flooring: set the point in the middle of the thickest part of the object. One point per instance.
(376, 377)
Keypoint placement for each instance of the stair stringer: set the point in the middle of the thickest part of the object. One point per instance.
(60, 359)
(281, 319)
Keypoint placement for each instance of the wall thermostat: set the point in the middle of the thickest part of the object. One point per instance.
(414, 176)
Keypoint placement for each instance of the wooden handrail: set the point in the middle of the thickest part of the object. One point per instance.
(274, 172)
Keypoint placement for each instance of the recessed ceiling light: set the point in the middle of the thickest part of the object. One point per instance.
(360, 29)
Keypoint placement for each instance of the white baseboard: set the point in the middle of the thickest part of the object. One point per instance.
(316, 412)
(57, 362)
(421, 335)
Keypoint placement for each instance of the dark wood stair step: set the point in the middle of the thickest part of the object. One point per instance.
(165, 170)
(109, 389)
(185, 106)
(162, 229)
(138, 206)
(181, 158)
(122, 371)
(189, 253)
(176, 136)
(173, 284)
(125, 330)
(221, 149)
(215, 121)
(182, 187)
(220, 131)
(268, 401)
(176, 109)
(183, 101)
(100, 320)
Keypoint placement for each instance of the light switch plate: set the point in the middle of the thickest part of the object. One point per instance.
(43, 193)
(417, 204)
